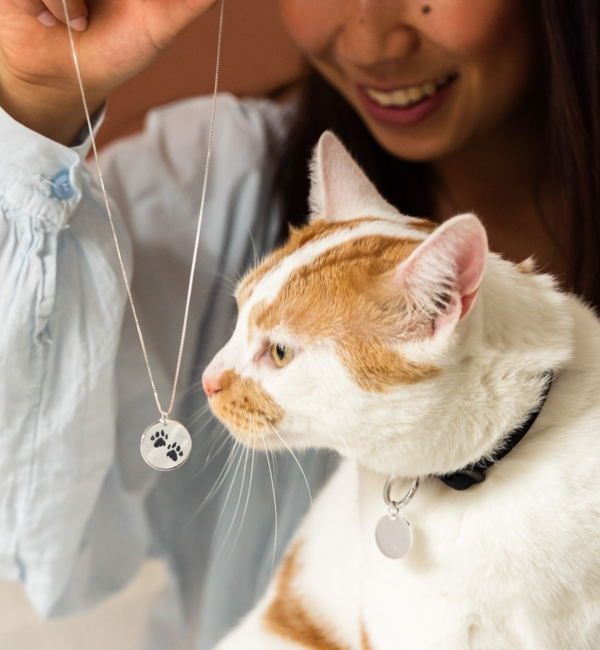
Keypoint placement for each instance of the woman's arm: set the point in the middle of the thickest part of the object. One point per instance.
(62, 302)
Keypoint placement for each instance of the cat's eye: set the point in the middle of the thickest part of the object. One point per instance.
(281, 354)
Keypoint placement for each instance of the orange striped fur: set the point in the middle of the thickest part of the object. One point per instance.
(424, 225)
(288, 617)
(341, 297)
(299, 237)
(365, 644)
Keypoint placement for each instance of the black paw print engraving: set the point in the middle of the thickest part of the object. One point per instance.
(159, 439)
(174, 450)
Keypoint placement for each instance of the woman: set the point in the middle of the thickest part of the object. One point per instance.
(461, 105)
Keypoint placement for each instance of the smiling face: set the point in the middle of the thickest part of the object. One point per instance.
(426, 83)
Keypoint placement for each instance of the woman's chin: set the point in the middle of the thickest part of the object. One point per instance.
(426, 147)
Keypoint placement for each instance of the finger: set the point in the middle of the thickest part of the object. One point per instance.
(76, 10)
(201, 5)
(37, 9)
(186, 11)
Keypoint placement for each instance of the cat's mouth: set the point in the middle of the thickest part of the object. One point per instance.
(257, 435)
(244, 421)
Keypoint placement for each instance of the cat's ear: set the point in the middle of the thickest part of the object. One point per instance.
(339, 188)
(443, 274)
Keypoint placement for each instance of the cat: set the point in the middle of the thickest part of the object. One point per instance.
(414, 352)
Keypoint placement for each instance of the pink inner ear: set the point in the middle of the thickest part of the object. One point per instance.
(458, 250)
(470, 261)
(470, 264)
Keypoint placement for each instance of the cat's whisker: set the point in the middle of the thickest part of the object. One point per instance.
(220, 479)
(227, 279)
(241, 268)
(247, 499)
(274, 501)
(226, 439)
(254, 253)
(229, 465)
(237, 467)
(199, 414)
(209, 439)
(237, 505)
(296, 459)
(217, 433)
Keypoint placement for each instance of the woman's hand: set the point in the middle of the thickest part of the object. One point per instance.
(115, 39)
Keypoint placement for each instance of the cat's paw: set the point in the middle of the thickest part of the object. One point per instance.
(174, 450)
(159, 439)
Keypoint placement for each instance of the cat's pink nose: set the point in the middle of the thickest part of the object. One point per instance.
(211, 384)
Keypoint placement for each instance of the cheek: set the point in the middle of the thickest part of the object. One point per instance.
(312, 24)
(468, 27)
(492, 38)
(493, 44)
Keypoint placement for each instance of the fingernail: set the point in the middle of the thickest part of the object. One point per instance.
(46, 18)
(79, 24)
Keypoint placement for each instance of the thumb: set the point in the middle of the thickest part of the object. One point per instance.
(166, 19)
(186, 11)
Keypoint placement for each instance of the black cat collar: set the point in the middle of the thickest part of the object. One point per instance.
(473, 474)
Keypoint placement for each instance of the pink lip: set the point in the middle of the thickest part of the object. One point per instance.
(405, 115)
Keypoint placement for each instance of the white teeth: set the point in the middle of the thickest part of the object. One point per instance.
(407, 96)
(429, 88)
(400, 98)
(415, 93)
(381, 98)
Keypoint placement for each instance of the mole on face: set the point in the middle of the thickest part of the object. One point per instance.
(425, 9)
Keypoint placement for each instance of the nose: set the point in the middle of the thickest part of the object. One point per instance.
(211, 383)
(375, 36)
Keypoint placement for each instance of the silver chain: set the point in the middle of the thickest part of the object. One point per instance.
(164, 414)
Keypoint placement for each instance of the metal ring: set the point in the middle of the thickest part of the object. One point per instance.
(387, 494)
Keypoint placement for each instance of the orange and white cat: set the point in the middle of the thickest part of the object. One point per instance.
(413, 352)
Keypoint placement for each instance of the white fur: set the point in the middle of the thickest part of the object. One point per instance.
(512, 563)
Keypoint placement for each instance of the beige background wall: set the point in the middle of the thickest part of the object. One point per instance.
(257, 55)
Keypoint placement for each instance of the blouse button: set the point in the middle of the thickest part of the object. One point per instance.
(61, 186)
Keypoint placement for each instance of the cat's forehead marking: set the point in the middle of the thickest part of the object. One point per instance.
(341, 296)
(244, 405)
(329, 294)
(270, 284)
(321, 230)
(423, 225)
(298, 238)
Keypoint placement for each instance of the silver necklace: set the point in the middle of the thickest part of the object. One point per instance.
(166, 444)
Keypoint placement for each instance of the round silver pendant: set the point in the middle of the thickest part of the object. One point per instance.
(166, 445)
(393, 536)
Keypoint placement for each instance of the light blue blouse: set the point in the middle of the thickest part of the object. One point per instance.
(79, 509)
